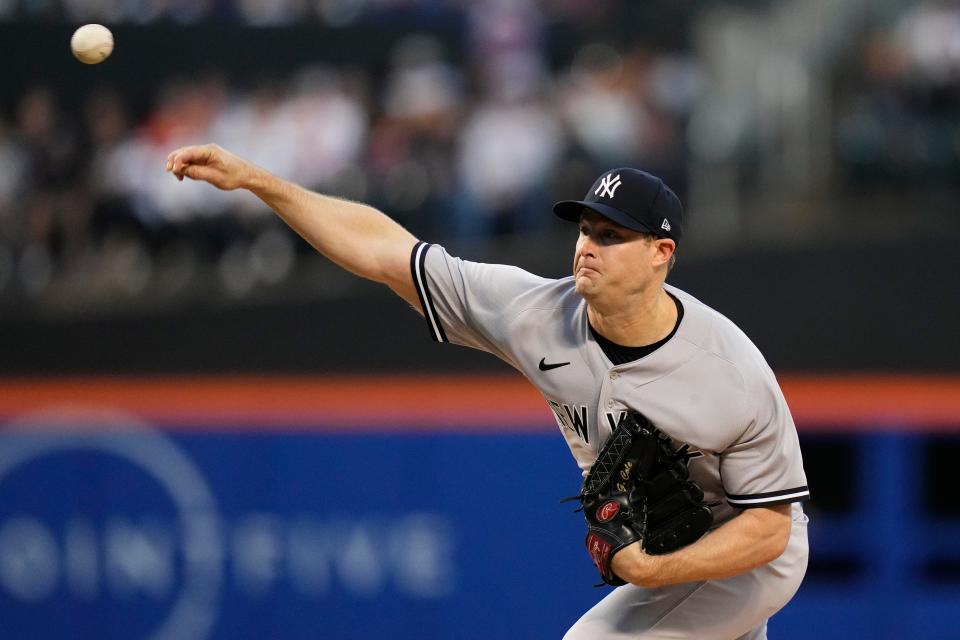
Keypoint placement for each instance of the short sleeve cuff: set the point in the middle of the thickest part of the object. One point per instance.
(769, 499)
(418, 260)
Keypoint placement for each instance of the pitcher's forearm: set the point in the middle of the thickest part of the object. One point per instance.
(355, 236)
(749, 540)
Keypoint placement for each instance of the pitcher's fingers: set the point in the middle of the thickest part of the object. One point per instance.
(172, 157)
(190, 155)
(182, 161)
(198, 172)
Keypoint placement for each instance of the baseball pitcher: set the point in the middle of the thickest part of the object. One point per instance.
(693, 477)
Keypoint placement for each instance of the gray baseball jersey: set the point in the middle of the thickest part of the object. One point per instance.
(708, 387)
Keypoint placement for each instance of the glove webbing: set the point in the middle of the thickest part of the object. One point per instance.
(612, 455)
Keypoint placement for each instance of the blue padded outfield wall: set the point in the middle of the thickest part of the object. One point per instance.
(114, 527)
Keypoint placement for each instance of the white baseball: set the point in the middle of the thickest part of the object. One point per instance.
(92, 43)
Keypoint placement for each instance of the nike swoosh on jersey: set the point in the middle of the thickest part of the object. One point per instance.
(546, 367)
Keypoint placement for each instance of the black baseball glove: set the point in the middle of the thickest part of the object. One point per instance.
(639, 489)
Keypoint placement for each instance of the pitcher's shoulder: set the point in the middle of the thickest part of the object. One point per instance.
(717, 334)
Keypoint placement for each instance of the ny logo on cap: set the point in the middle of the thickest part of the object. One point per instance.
(608, 186)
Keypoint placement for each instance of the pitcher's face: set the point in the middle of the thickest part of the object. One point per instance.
(611, 260)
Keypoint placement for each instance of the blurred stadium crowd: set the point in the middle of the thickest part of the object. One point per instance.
(898, 107)
(467, 147)
(265, 12)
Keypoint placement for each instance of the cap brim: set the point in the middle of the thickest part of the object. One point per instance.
(572, 210)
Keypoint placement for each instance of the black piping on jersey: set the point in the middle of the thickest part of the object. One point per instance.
(769, 498)
(619, 354)
(418, 270)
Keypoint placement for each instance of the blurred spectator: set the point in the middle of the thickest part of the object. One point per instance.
(329, 125)
(930, 36)
(598, 105)
(12, 180)
(411, 152)
(511, 140)
(507, 150)
(13, 161)
(53, 227)
(899, 104)
(258, 13)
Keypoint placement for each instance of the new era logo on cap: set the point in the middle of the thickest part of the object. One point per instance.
(632, 198)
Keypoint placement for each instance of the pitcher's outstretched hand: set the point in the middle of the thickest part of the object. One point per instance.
(210, 163)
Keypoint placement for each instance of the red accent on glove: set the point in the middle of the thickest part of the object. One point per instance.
(608, 510)
(599, 550)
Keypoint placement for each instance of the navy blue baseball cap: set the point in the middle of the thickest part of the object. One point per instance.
(632, 198)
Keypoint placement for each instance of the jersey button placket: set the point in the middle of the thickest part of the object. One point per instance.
(607, 402)
(613, 375)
